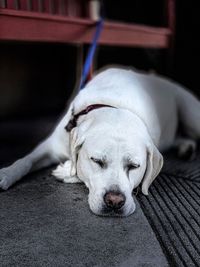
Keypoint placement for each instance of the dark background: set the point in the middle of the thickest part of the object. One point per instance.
(37, 80)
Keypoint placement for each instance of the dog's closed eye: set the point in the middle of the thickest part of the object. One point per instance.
(132, 166)
(100, 162)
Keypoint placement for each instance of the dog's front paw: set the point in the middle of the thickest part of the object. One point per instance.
(62, 173)
(5, 182)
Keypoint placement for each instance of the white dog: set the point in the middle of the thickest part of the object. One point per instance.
(110, 136)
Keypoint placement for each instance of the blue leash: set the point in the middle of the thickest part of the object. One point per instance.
(90, 54)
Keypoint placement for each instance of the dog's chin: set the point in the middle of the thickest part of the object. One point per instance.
(107, 212)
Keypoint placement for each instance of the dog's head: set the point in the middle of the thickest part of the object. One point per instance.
(112, 153)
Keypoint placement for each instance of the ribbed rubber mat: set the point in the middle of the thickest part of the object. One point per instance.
(173, 210)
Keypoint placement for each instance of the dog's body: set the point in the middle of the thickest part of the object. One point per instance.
(113, 146)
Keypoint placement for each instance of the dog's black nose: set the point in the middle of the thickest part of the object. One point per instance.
(114, 200)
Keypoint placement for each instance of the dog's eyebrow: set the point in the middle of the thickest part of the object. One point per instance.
(100, 156)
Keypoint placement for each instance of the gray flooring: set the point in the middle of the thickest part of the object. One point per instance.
(47, 223)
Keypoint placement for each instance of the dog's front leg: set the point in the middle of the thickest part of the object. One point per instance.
(41, 157)
(53, 150)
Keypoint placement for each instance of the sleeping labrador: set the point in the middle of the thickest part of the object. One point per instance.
(111, 137)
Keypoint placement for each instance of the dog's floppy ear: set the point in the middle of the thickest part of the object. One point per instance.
(77, 138)
(154, 165)
(75, 145)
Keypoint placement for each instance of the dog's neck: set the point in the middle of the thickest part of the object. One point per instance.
(73, 122)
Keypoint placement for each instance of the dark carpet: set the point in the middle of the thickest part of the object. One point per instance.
(173, 210)
(47, 223)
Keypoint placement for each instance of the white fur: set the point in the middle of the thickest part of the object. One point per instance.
(143, 122)
(62, 173)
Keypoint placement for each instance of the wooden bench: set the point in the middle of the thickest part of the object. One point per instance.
(66, 23)
(69, 22)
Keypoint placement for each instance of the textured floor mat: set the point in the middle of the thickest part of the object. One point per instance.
(173, 210)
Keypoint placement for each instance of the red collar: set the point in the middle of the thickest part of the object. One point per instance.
(72, 123)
